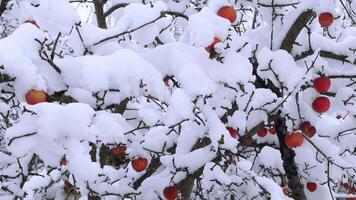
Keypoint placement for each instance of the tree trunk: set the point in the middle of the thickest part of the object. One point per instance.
(289, 165)
(99, 12)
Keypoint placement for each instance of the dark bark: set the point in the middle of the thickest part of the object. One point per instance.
(99, 12)
(289, 165)
(3, 6)
(295, 29)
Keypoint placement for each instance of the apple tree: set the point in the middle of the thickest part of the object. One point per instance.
(178, 99)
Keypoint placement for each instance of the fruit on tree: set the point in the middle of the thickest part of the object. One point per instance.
(322, 84)
(272, 130)
(139, 164)
(170, 193)
(305, 126)
(262, 132)
(321, 104)
(35, 96)
(64, 162)
(211, 47)
(308, 129)
(233, 132)
(294, 140)
(310, 132)
(227, 12)
(119, 150)
(326, 19)
(312, 186)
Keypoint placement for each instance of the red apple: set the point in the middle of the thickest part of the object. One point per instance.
(233, 132)
(321, 104)
(294, 140)
(227, 12)
(30, 21)
(322, 84)
(35, 96)
(119, 150)
(272, 130)
(346, 185)
(310, 132)
(171, 193)
(262, 132)
(210, 48)
(139, 164)
(326, 19)
(305, 126)
(64, 162)
(312, 186)
(308, 129)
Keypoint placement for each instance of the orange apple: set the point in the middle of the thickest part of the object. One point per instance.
(35, 96)
(294, 140)
(227, 12)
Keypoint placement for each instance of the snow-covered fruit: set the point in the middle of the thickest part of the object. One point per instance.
(294, 139)
(321, 104)
(139, 164)
(326, 19)
(35, 96)
(227, 12)
(170, 193)
(233, 132)
(211, 48)
(119, 150)
(308, 129)
(312, 186)
(33, 22)
(322, 84)
(262, 132)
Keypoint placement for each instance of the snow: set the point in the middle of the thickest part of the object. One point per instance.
(109, 91)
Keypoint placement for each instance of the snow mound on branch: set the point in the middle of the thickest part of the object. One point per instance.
(270, 157)
(189, 63)
(124, 70)
(17, 58)
(277, 67)
(204, 26)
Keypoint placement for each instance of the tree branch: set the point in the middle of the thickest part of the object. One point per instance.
(99, 12)
(115, 7)
(298, 25)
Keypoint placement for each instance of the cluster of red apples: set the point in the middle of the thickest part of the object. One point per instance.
(322, 85)
(139, 164)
